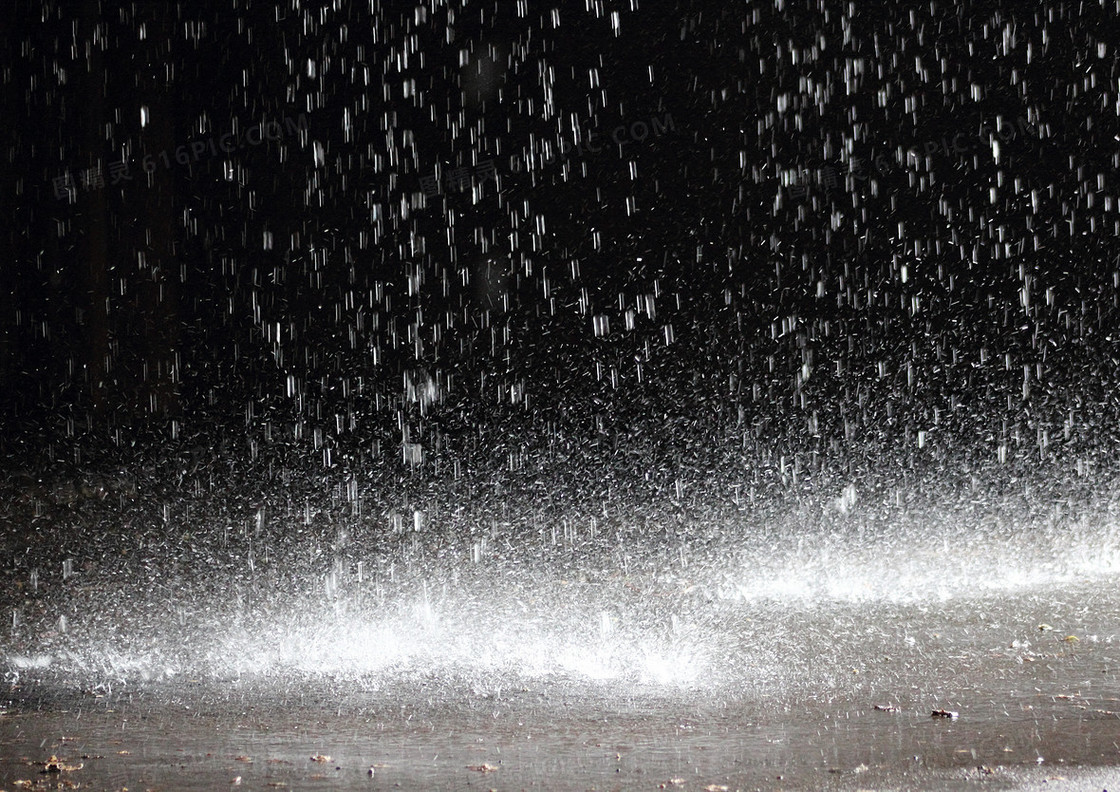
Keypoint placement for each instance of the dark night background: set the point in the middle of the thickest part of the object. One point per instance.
(803, 266)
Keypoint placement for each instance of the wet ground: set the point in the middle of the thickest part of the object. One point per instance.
(842, 651)
(818, 695)
(532, 740)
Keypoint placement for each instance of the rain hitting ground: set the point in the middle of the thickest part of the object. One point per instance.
(896, 649)
(574, 395)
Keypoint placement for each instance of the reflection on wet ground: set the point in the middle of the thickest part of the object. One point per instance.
(816, 695)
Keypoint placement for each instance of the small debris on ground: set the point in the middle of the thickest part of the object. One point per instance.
(56, 765)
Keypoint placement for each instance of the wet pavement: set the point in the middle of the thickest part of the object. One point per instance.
(824, 694)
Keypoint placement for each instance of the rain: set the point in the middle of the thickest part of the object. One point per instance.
(706, 395)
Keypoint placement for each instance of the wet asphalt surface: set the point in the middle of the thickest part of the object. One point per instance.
(824, 695)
